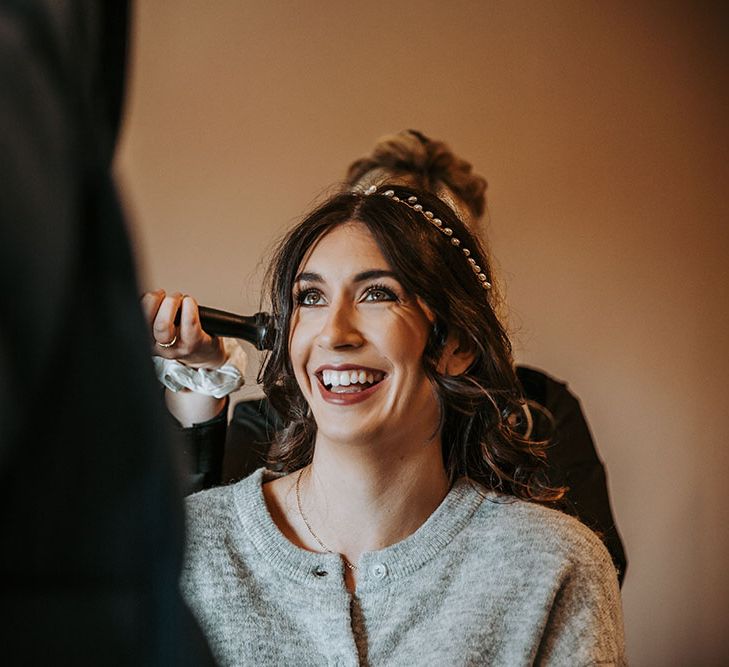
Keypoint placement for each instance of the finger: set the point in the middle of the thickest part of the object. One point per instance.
(164, 329)
(197, 348)
(150, 303)
(190, 332)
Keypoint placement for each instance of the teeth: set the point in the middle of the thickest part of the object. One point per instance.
(345, 378)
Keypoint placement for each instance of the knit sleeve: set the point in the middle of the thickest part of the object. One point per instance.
(585, 625)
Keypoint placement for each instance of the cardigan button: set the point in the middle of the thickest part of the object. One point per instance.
(379, 570)
(319, 571)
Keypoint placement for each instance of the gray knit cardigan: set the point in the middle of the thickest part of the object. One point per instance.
(486, 580)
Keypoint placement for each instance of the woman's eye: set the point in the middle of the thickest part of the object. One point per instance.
(310, 297)
(379, 294)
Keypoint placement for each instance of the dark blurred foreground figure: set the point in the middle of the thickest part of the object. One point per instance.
(92, 525)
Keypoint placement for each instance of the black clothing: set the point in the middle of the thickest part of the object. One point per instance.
(93, 524)
(573, 459)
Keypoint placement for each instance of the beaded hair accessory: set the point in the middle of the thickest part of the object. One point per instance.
(412, 202)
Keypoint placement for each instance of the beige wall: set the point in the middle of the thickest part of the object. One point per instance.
(602, 128)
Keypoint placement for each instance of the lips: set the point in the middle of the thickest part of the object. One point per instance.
(345, 385)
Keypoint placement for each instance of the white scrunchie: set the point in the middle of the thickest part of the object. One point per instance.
(216, 382)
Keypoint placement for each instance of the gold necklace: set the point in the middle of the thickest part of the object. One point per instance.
(351, 566)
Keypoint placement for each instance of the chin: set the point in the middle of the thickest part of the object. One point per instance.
(354, 432)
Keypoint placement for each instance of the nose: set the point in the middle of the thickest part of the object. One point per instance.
(339, 328)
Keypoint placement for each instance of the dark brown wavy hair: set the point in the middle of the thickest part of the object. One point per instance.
(481, 437)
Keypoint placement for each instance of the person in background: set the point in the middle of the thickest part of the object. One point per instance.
(90, 498)
(224, 452)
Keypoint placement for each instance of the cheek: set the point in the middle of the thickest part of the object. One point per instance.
(296, 344)
(300, 344)
(407, 339)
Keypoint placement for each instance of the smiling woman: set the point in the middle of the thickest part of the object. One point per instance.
(408, 524)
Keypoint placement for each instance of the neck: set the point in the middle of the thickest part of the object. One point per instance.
(364, 500)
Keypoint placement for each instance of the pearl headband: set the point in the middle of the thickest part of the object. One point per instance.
(412, 202)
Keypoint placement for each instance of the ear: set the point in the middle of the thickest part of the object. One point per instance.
(457, 356)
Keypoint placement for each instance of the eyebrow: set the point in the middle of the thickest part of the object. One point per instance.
(311, 277)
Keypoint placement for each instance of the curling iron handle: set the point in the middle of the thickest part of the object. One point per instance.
(256, 329)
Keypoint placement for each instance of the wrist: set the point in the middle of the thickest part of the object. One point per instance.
(190, 408)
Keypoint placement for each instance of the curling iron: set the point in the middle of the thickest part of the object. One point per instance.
(257, 329)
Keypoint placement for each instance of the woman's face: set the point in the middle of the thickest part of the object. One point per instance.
(356, 343)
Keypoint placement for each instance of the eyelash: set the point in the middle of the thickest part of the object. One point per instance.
(389, 292)
(300, 296)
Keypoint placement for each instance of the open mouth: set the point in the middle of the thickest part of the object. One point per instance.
(350, 381)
